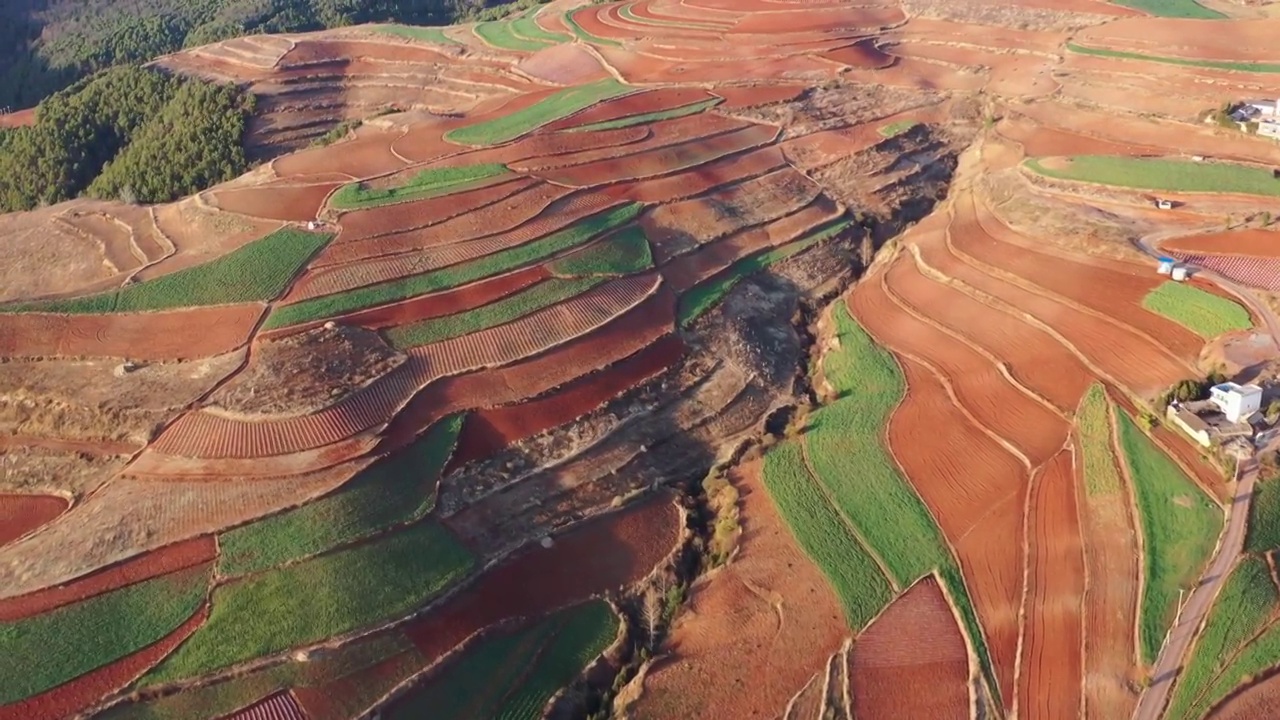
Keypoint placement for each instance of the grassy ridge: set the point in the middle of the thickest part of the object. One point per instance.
(499, 34)
(426, 34)
(1101, 474)
(526, 26)
(645, 118)
(824, 536)
(1257, 67)
(426, 184)
(450, 277)
(543, 295)
(896, 128)
(1204, 313)
(260, 270)
(1162, 174)
(1173, 9)
(1180, 526)
(320, 598)
(42, 652)
(513, 125)
(622, 253)
(396, 489)
(1246, 600)
(1263, 534)
(702, 297)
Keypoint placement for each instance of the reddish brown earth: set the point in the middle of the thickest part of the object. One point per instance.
(862, 54)
(1254, 241)
(70, 698)
(701, 179)
(165, 560)
(298, 203)
(601, 555)
(1259, 700)
(20, 514)
(367, 154)
(18, 118)
(143, 336)
(1249, 40)
(632, 104)
(637, 68)
(749, 96)
(661, 134)
(388, 219)
(1052, 650)
(915, 643)
(564, 64)
(662, 161)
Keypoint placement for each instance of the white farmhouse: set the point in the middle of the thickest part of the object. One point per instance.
(1237, 402)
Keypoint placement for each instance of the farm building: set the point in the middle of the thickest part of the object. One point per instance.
(1237, 402)
(1179, 273)
(1190, 423)
(1166, 265)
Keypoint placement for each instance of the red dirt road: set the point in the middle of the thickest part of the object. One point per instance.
(20, 514)
(911, 662)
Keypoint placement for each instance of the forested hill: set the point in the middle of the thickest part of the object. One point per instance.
(47, 45)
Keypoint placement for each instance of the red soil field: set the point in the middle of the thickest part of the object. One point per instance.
(542, 148)
(625, 335)
(633, 104)
(279, 706)
(368, 154)
(1245, 40)
(751, 638)
(1253, 241)
(1039, 141)
(702, 178)
(308, 52)
(1258, 700)
(162, 561)
(842, 19)
(636, 68)
(400, 217)
(565, 64)
(161, 335)
(588, 18)
(489, 430)
(593, 558)
(977, 383)
(912, 661)
(274, 202)
(664, 133)
(70, 698)
(975, 490)
(676, 14)
(1035, 358)
(20, 514)
(862, 54)
(1052, 662)
(748, 96)
(989, 36)
(611, 15)
(690, 50)
(18, 118)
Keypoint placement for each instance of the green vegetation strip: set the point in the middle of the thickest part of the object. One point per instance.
(1264, 518)
(645, 118)
(426, 34)
(702, 297)
(513, 125)
(1180, 526)
(1161, 174)
(826, 538)
(897, 128)
(1255, 659)
(513, 674)
(527, 27)
(42, 652)
(622, 253)
(426, 184)
(1257, 67)
(512, 307)
(844, 443)
(450, 277)
(320, 598)
(260, 270)
(1173, 9)
(1244, 605)
(1204, 313)
(1101, 473)
(399, 488)
(498, 33)
(582, 33)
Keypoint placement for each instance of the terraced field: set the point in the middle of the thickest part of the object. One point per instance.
(842, 295)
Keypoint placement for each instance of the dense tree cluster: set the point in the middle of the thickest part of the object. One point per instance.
(126, 132)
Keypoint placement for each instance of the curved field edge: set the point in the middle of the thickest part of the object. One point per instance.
(649, 117)
(1203, 313)
(1161, 174)
(1256, 67)
(425, 184)
(559, 105)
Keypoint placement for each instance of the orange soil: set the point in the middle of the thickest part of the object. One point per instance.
(400, 217)
(18, 118)
(1248, 40)
(1039, 141)
(693, 182)
(1259, 700)
(920, 75)
(748, 640)
(988, 36)
(740, 97)
(912, 661)
(665, 133)
(1253, 241)
(1051, 654)
(814, 21)
(862, 54)
(636, 68)
(632, 104)
(20, 514)
(297, 203)
(564, 64)
(369, 153)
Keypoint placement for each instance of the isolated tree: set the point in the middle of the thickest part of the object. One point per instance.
(651, 610)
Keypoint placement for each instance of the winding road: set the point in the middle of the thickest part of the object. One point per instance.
(1170, 661)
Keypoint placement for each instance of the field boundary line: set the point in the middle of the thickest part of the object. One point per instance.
(1135, 516)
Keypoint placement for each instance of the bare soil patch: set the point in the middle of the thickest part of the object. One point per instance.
(42, 257)
(564, 64)
(39, 470)
(20, 514)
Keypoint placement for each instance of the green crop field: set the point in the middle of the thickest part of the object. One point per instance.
(645, 118)
(844, 442)
(42, 652)
(1160, 174)
(499, 34)
(320, 598)
(1264, 518)
(513, 125)
(1257, 657)
(897, 128)
(702, 297)
(426, 184)
(261, 270)
(543, 295)
(1246, 601)
(527, 27)
(1173, 9)
(513, 674)
(450, 277)
(426, 34)
(1204, 313)
(825, 535)
(1101, 474)
(1256, 67)
(622, 253)
(1180, 527)
(399, 488)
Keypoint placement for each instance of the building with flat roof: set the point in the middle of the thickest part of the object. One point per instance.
(1237, 402)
